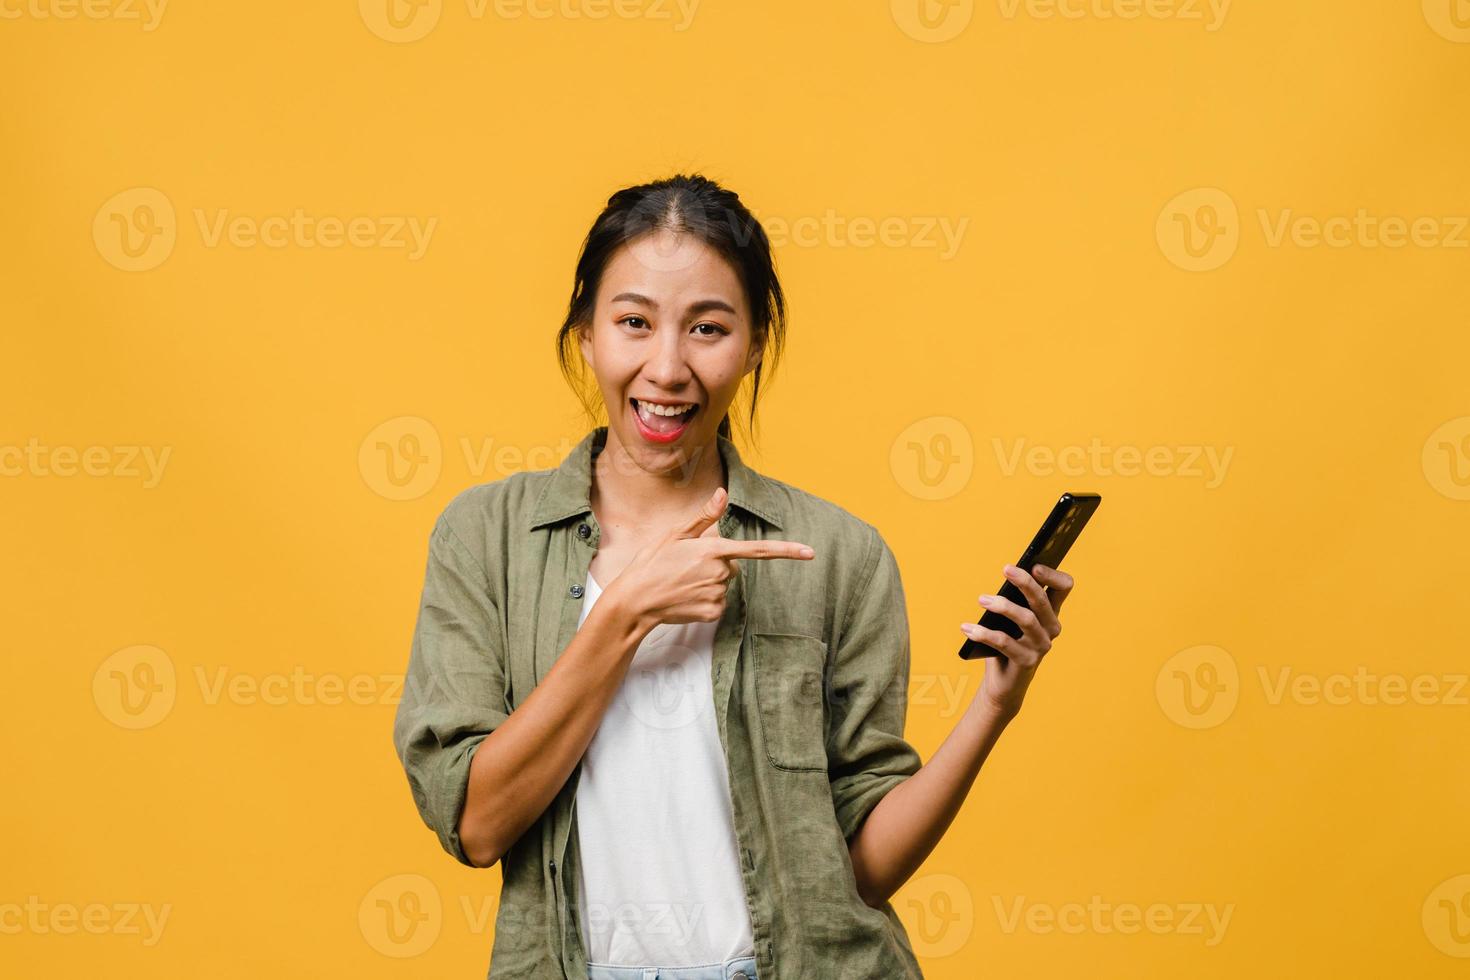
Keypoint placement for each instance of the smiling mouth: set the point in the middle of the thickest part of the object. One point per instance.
(658, 425)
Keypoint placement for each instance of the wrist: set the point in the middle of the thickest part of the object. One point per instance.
(633, 621)
(994, 713)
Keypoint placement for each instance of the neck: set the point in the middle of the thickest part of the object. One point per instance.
(656, 490)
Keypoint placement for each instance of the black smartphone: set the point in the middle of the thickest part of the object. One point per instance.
(1049, 547)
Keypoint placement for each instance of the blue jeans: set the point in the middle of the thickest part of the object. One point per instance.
(739, 968)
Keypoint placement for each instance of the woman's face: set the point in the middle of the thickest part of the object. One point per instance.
(670, 327)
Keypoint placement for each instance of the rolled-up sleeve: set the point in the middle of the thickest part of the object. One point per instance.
(454, 692)
(868, 693)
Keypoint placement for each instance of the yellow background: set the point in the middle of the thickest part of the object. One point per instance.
(1333, 543)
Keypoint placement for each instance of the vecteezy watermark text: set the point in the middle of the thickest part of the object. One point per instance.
(940, 233)
(1207, 462)
(406, 21)
(1098, 917)
(302, 230)
(135, 230)
(149, 13)
(40, 918)
(117, 462)
(1210, 13)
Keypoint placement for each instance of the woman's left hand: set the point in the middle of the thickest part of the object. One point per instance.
(1006, 678)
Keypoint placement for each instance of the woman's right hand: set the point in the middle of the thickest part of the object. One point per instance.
(683, 578)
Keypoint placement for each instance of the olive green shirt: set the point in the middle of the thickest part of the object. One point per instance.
(810, 675)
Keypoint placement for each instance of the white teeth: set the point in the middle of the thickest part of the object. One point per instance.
(648, 409)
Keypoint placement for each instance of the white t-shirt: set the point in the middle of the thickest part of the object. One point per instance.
(661, 879)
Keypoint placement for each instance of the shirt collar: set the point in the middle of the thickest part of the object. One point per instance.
(569, 491)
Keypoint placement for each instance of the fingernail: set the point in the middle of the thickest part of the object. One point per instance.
(985, 600)
(807, 552)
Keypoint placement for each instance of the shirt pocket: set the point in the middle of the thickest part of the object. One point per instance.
(788, 691)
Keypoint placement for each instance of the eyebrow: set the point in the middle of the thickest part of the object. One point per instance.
(703, 306)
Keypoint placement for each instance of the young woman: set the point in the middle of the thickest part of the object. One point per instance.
(667, 692)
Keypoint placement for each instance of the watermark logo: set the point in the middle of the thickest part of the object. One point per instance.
(661, 249)
(941, 909)
(1446, 458)
(933, 458)
(669, 693)
(1198, 687)
(401, 459)
(1446, 916)
(1199, 230)
(1201, 686)
(135, 229)
(400, 21)
(1449, 18)
(404, 915)
(401, 916)
(135, 687)
(933, 21)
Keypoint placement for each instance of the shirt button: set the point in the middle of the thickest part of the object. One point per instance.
(740, 975)
(575, 592)
(583, 531)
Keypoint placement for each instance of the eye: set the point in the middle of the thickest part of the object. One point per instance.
(719, 330)
(632, 316)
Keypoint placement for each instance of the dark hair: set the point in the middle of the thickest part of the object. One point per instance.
(682, 203)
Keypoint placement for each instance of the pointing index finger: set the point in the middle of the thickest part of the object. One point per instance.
(732, 548)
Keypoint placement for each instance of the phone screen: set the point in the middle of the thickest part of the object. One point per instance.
(1050, 545)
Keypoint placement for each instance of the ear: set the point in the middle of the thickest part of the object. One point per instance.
(584, 343)
(757, 351)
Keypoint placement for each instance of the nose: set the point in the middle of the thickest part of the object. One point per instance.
(666, 366)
